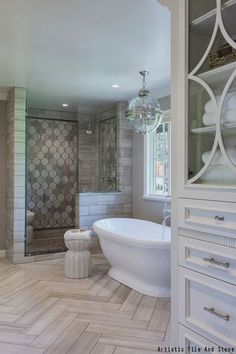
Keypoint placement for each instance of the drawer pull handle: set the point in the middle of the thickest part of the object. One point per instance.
(215, 313)
(213, 261)
(219, 219)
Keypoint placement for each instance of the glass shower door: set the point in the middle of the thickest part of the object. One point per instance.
(108, 155)
(52, 183)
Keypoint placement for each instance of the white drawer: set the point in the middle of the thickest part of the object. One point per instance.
(191, 342)
(208, 216)
(211, 259)
(208, 306)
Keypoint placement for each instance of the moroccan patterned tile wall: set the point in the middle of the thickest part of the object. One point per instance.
(52, 172)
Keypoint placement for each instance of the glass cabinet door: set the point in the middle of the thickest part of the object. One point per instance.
(211, 115)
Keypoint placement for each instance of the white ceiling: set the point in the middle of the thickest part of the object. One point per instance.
(71, 51)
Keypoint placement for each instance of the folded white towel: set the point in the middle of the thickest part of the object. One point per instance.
(229, 102)
(219, 174)
(218, 158)
(227, 116)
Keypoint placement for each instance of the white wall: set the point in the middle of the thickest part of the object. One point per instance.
(2, 174)
(144, 209)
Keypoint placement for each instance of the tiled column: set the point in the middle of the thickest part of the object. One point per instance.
(125, 143)
(15, 228)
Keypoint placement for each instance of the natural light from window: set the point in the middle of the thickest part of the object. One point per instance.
(157, 161)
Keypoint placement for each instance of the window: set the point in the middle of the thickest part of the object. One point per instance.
(157, 160)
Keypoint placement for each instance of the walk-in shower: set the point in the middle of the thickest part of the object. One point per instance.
(68, 161)
(51, 183)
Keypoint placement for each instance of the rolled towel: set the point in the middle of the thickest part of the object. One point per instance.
(229, 102)
(210, 107)
(227, 116)
(218, 158)
(209, 118)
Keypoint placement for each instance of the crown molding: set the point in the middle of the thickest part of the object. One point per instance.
(166, 3)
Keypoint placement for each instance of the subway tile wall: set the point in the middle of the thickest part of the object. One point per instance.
(15, 231)
(96, 206)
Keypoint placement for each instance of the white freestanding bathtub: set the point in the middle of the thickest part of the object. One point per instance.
(139, 253)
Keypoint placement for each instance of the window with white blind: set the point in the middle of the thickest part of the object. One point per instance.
(157, 161)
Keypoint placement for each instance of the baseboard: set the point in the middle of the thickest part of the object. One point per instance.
(2, 253)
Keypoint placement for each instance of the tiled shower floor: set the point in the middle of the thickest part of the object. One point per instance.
(47, 241)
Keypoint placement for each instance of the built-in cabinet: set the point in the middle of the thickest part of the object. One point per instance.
(204, 173)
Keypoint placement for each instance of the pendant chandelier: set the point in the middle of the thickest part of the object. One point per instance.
(144, 114)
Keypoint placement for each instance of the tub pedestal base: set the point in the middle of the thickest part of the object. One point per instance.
(137, 284)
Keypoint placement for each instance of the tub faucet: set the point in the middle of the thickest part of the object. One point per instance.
(167, 209)
(165, 219)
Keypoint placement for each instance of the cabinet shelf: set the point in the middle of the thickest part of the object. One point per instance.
(216, 78)
(218, 74)
(229, 129)
(205, 23)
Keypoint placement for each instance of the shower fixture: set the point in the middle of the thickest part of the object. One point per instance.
(89, 131)
(144, 114)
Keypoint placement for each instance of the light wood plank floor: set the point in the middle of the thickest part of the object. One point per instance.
(41, 311)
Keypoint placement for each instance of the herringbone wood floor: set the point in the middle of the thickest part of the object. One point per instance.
(41, 311)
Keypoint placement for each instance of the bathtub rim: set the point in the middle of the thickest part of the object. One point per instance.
(118, 237)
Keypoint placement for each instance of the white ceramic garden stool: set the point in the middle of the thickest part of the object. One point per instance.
(77, 258)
